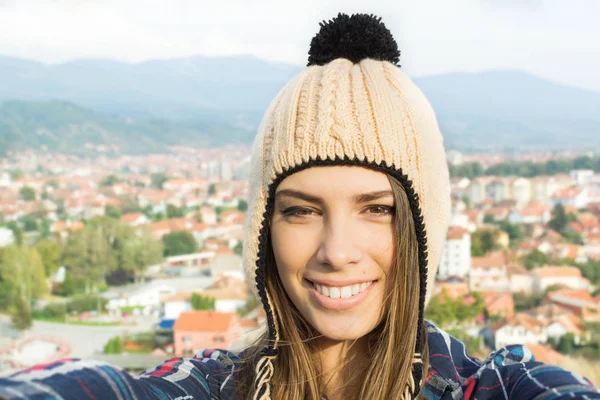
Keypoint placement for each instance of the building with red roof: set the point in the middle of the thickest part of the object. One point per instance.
(196, 330)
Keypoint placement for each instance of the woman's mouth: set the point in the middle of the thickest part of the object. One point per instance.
(344, 292)
(340, 297)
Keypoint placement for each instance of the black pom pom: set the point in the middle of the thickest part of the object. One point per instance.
(355, 38)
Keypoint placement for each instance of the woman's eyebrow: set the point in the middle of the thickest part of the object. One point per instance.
(298, 195)
(365, 197)
(360, 198)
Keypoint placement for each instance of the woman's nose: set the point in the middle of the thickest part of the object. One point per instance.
(339, 244)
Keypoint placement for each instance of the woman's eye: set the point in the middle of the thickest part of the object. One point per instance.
(381, 210)
(301, 212)
(297, 212)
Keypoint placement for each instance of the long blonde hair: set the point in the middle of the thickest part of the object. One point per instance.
(388, 374)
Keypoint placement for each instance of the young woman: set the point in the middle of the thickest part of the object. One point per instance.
(348, 210)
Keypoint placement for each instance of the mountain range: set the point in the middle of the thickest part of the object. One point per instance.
(197, 100)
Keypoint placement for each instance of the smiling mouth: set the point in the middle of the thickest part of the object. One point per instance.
(341, 292)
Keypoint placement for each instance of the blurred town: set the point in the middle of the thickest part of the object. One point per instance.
(135, 259)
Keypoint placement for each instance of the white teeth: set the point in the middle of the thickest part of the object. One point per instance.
(344, 292)
(334, 292)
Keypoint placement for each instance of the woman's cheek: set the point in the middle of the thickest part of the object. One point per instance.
(378, 244)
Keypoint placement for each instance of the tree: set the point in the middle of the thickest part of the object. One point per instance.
(60, 209)
(50, 252)
(23, 267)
(55, 311)
(177, 243)
(489, 219)
(37, 274)
(17, 232)
(114, 346)
(107, 245)
(109, 180)
(591, 271)
(573, 237)
(242, 205)
(68, 287)
(158, 217)
(112, 212)
(118, 277)
(566, 344)
(467, 170)
(29, 223)
(553, 288)
(473, 344)
(482, 241)
(173, 211)
(250, 305)
(16, 174)
(200, 302)
(534, 259)
(442, 309)
(149, 251)
(85, 303)
(439, 310)
(525, 302)
(45, 228)
(157, 180)
(27, 193)
(90, 253)
(21, 315)
(75, 257)
(212, 189)
(559, 219)
(513, 230)
(136, 251)
(129, 204)
(238, 248)
(467, 201)
(8, 293)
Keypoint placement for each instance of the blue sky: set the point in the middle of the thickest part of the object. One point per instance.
(554, 39)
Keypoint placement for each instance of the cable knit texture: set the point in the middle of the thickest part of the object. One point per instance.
(370, 111)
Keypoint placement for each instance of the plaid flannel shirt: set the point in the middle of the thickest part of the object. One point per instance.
(508, 373)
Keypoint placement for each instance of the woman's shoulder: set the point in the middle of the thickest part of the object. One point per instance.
(510, 372)
(206, 375)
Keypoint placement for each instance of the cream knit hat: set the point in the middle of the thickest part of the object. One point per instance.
(352, 105)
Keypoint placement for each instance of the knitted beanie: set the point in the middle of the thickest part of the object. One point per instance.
(352, 105)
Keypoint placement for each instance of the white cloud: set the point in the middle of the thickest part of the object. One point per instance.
(548, 37)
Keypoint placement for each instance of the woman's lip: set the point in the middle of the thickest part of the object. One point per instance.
(339, 304)
(331, 283)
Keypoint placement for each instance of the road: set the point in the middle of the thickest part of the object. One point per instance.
(85, 341)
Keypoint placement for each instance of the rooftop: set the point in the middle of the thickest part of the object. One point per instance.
(204, 321)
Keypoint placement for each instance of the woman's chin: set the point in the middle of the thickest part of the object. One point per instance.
(340, 331)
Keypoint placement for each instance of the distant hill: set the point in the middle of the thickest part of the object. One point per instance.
(65, 127)
(512, 109)
(175, 87)
(495, 109)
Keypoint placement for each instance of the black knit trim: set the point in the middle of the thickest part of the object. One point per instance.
(268, 352)
(413, 199)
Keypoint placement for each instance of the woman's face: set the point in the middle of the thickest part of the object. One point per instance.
(332, 237)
